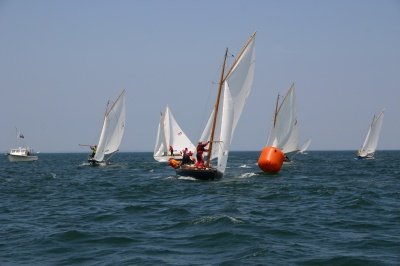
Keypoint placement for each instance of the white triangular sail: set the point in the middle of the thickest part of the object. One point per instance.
(169, 133)
(113, 129)
(236, 88)
(305, 146)
(284, 133)
(372, 138)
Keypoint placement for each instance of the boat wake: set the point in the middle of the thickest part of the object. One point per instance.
(247, 175)
(187, 178)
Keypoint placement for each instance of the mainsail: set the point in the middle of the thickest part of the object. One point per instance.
(236, 87)
(284, 133)
(113, 128)
(169, 133)
(372, 138)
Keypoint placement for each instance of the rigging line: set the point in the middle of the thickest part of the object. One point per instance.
(114, 102)
(208, 105)
(284, 98)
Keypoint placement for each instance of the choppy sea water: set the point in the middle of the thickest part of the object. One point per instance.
(325, 208)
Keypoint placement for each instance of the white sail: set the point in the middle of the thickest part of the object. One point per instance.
(170, 134)
(236, 88)
(160, 149)
(113, 129)
(372, 138)
(305, 146)
(284, 133)
(226, 130)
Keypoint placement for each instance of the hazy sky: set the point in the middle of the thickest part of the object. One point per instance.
(60, 62)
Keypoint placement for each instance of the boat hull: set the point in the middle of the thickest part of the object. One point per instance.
(97, 163)
(22, 158)
(368, 156)
(199, 173)
(365, 157)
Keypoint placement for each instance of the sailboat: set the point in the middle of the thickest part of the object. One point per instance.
(284, 133)
(23, 153)
(233, 89)
(170, 134)
(367, 150)
(283, 138)
(111, 133)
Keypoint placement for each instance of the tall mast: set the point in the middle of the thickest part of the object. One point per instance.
(276, 110)
(112, 106)
(216, 107)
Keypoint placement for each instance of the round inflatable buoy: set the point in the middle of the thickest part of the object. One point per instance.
(173, 163)
(271, 159)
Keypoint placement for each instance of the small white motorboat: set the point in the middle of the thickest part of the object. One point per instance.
(21, 154)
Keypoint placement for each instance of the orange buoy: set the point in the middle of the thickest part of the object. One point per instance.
(173, 163)
(271, 159)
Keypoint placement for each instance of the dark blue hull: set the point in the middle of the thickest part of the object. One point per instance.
(200, 173)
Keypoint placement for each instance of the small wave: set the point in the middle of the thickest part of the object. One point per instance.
(247, 175)
(50, 176)
(187, 178)
(71, 235)
(358, 203)
(136, 208)
(174, 211)
(104, 217)
(157, 177)
(181, 178)
(342, 260)
(218, 218)
(244, 166)
(115, 240)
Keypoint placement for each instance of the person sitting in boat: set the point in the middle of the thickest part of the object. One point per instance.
(200, 149)
(94, 149)
(171, 150)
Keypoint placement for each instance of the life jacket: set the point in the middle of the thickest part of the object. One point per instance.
(173, 163)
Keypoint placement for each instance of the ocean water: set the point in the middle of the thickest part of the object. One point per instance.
(325, 208)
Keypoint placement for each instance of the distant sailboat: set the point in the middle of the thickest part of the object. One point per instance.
(112, 131)
(284, 133)
(283, 140)
(367, 150)
(23, 153)
(170, 134)
(234, 88)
